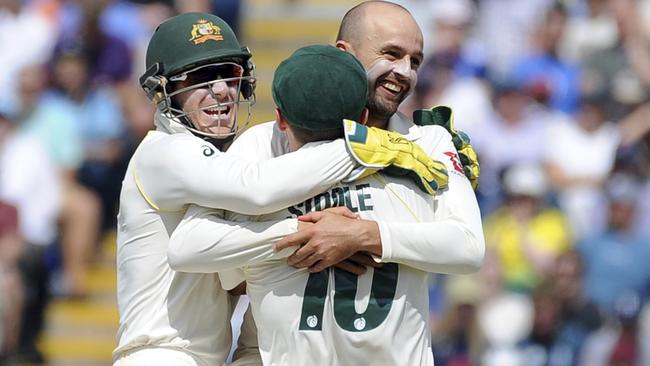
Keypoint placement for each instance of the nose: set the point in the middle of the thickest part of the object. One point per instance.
(402, 67)
(219, 90)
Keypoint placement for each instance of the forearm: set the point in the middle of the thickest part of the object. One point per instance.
(452, 243)
(287, 180)
(635, 126)
(437, 247)
(205, 243)
(369, 237)
(196, 173)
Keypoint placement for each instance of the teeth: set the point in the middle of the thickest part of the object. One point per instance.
(216, 110)
(392, 87)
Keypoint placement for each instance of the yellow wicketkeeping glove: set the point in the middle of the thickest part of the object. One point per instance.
(444, 116)
(376, 149)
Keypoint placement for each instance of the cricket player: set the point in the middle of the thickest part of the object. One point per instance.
(333, 317)
(197, 75)
(388, 42)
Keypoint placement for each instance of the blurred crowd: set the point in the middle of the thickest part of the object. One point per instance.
(71, 114)
(554, 94)
(556, 98)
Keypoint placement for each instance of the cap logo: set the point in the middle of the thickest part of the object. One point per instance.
(203, 31)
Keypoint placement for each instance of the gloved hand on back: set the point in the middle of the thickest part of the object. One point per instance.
(376, 149)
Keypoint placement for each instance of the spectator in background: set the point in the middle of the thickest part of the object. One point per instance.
(550, 80)
(578, 317)
(515, 124)
(137, 110)
(580, 154)
(587, 31)
(526, 234)
(133, 21)
(578, 157)
(504, 27)
(616, 259)
(619, 341)
(642, 156)
(229, 11)
(101, 123)
(538, 346)
(563, 318)
(11, 288)
(457, 340)
(29, 181)
(453, 71)
(55, 124)
(623, 69)
(109, 58)
(27, 36)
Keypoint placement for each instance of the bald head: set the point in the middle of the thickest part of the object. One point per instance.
(388, 42)
(355, 21)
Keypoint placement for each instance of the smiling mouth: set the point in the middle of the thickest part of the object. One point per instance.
(219, 112)
(392, 88)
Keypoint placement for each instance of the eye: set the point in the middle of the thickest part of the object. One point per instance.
(391, 55)
(415, 63)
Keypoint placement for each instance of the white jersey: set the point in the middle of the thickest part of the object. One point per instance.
(333, 317)
(172, 168)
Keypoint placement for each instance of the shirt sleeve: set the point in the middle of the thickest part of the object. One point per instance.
(453, 243)
(204, 242)
(177, 170)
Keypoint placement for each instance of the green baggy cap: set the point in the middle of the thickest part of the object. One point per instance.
(318, 86)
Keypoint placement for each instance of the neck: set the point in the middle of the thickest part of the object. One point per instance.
(378, 121)
(221, 144)
(295, 145)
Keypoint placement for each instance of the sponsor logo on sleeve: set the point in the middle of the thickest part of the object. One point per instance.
(455, 161)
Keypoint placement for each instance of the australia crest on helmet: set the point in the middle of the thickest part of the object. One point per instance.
(204, 30)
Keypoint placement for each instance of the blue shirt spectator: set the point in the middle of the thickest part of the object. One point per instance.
(616, 261)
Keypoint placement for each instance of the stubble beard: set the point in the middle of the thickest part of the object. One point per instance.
(381, 110)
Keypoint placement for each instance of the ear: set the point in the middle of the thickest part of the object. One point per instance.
(280, 121)
(364, 116)
(345, 46)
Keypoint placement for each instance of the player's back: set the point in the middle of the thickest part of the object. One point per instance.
(334, 317)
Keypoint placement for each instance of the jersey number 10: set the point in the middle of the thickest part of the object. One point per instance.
(382, 293)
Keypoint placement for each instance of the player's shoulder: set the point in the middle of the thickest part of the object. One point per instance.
(162, 150)
(399, 122)
(434, 139)
(261, 142)
(265, 129)
(438, 143)
(435, 132)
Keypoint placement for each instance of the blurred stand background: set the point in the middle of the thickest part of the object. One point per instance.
(554, 94)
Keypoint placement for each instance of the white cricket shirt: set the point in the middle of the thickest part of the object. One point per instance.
(332, 318)
(172, 168)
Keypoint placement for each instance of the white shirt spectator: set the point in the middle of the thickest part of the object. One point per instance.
(581, 154)
(29, 181)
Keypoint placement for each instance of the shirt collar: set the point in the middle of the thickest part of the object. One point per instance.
(168, 124)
